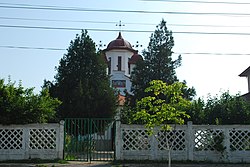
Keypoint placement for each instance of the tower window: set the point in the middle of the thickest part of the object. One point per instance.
(109, 66)
(119, 66)
(129, 71)
(119, 83)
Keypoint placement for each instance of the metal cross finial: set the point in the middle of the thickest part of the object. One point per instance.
(120, 25)
(137, 45)
(100, 45)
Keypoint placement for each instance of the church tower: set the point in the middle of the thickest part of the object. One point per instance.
(121, 59)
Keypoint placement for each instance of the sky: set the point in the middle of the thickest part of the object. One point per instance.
(212, 37)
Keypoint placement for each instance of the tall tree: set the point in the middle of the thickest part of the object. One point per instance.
(157, 64)
(81, 82)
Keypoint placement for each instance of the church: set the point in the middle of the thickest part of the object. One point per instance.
(120, 58)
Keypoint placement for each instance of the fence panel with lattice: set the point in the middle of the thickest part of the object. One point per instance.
(43, 141)
(224, 143)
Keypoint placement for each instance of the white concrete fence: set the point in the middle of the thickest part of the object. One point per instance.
(43, 141)
(225, 143)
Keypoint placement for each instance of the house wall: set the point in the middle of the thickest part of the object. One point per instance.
(248, 80)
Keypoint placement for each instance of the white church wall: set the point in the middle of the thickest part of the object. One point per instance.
(114, 54)
(118, 77)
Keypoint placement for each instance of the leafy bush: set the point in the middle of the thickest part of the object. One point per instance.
(22, 106)
(223, 109)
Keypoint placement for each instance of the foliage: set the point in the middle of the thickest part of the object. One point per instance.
(223, 109)
(157, 64)
(81, 82)
(157, 110)
(218, 143)
(22, 106)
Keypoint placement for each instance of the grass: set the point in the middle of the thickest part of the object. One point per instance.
(118, 162)
(37, 161)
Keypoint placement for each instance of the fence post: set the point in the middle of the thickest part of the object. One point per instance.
(227, 141)
(190, 142)
(154, 146)
(60, 139)
(118, 139)
(26, 136)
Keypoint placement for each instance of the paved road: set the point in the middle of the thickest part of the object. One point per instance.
(106, 164)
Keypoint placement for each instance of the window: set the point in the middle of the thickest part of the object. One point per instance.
(109, 66)
(119, 83)
(129, 71)
(119, 66)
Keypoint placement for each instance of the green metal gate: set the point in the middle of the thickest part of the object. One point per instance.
(89, 139)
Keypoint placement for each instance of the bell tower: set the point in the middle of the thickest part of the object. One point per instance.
(121, 59)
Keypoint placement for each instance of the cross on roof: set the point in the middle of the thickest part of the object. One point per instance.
(137, 45)
(100, 45)
(120, 25)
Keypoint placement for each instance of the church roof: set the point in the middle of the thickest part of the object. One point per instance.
(135, 58)
(120, 43)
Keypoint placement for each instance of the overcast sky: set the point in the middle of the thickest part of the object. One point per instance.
(212, 37)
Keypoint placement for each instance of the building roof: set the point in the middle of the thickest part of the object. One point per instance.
(120, 43)
(245, 73)
(135, 58)
(246, 96)
(121, 100)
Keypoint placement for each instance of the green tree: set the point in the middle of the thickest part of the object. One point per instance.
(223, 109)
(159, 111)
(165, 106)
(22, 106)
(157, 64)
(81, 82)
(197, 111)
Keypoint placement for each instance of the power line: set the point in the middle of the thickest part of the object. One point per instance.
(80, 21)
(30, 7)
(210, 33)
(39, 27)
(207, 25)
(68, 28)
(131, 31)
(207, 53)
(206, 2)
(58, 20)
(112, 22)
(179, 53)
(29, 47)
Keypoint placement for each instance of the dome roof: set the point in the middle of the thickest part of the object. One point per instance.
(136, 57)
(120, 43)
